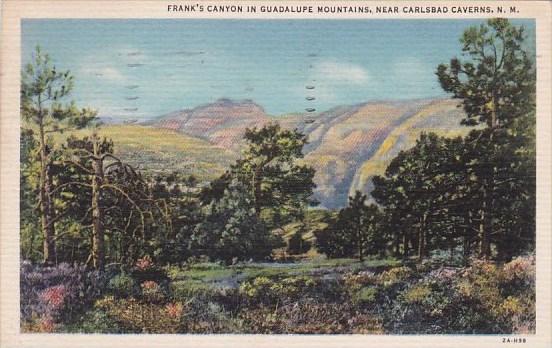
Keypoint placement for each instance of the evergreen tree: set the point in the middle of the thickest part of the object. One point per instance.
(496, 83)
(232, 230)
(356, 231)
(297, 243)
(269, 171)
(112, 194)
(43, 92)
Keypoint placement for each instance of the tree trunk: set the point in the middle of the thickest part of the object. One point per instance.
(396, 245)
(257, 190)
(360, 251)
(405, 245)
(466, 243)
(422, 238)
(420, 244)
(492, 122)
(485, 226)
(98, 247)
(46, 207)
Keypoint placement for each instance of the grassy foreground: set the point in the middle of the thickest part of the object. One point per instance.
(341, 296)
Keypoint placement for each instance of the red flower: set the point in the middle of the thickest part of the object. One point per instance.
(54, 296)
(149, 285)
(174, 310)
(144, 263)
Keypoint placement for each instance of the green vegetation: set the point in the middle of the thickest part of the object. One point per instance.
(343, 296)
(447, 248)
(161, 150)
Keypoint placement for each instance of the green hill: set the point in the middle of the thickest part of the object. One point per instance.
(162, 150)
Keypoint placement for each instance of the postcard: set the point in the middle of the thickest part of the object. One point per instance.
(275, 173)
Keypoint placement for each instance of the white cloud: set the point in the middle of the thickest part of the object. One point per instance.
(108, 73)
(112, 74)
(337, 72)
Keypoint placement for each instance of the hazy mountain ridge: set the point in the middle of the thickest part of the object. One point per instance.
(348, 145)
(222, 123)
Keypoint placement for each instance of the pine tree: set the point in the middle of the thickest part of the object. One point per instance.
(43, 92)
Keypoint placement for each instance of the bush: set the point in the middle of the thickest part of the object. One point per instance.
(365, 296)
(263, 290)
(134, 316)
(184, 290)
(483, 298)
(152, 292)
(256, 290)
(145, 270)
(356, 281)
(210, 317)
(395, 275)
(50, 295)
(93, 321)
(123, 285)
(310, 317)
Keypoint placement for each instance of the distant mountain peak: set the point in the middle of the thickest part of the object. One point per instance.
(233, 102)
(222, 122)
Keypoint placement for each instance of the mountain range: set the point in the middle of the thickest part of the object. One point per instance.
(347, 145)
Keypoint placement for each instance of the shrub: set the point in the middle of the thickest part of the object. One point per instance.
(256, 289)
(53, 297)
(518, 275)
(309, 317)
(483, 298)
(93, 321)
(365, 295)
(174, 310)
(152, 292)
(292, 288)
(146, 270)
(395, 275)
(135, 316)
(425, 307)
(145, 263)
(263, 290)
(210, 317)
(123, 285)
(57, 294)
(356, 281)
(184, 290)
(417, 293)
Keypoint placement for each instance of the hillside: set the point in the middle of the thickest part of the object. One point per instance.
(441, 117)
(347, 146)
(221, 123)
(157, 150)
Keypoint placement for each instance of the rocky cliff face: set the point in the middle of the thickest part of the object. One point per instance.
(348, 145)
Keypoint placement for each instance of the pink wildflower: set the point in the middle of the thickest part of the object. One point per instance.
(149, 285)
(54, 296)
(174, 310)
(144, 263)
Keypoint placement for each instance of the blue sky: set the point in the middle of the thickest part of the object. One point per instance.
(144, 68)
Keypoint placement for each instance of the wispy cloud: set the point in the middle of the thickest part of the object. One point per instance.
(339, 72)
(106, 73)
